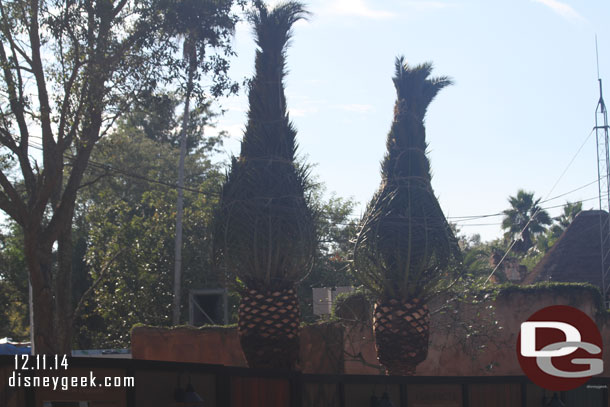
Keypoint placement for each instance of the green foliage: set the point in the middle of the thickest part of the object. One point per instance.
(336, 231)
(560, 224)
(405, 247)
(154, 114)
(70, 70)
(524, 220)
(570, 210)
(537, 238)
(130, 227)
(359, 294)
(476, 263)
(14, 318)
(265, 226)
(202, 25)
(556, 288)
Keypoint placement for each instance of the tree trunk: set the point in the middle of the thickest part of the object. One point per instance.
(180, 202)
(269, 328)
(52, 279)
(401, 335)
(50, 335)
(63, 289)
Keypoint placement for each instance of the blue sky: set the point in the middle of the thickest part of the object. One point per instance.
(522, 104)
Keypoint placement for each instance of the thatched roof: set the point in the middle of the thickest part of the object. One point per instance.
(576, 256)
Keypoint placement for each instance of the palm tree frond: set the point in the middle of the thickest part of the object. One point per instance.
(265, 226)
(405, 244)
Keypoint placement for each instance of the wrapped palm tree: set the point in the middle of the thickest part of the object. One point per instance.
(264, 234)
(405, 251)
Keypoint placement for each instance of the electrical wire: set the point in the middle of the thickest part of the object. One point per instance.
(474, 217)
(533, 216)
(106, 168)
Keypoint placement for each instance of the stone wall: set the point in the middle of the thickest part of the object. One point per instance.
(465, 340)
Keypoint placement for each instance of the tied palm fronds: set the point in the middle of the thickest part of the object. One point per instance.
(265, 228)
(405, 245)
(405, 251)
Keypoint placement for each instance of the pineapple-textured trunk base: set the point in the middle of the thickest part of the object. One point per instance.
(401, 334)
(269, 328)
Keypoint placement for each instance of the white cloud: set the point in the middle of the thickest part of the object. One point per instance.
(563, 9)
(300, 106)
(236, 105)
(234, 131)
(300, 112)
(428, 5)
(357, 8)
(355, 107)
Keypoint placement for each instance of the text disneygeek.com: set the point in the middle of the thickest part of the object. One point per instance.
(33, 367)
(67, 382)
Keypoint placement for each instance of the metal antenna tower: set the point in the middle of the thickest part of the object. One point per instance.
(603, 182)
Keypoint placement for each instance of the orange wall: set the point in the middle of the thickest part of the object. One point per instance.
(486, 348)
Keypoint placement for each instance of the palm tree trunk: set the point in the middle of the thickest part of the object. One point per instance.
(401, 335)
(269, 328)
(180, 202)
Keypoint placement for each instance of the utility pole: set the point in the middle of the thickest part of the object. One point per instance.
(603, 182)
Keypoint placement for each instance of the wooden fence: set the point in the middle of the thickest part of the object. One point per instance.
(156, 384)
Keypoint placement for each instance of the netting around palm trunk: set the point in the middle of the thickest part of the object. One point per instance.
(401, 334)
(269, 328)
(265, 230)
(405, 245)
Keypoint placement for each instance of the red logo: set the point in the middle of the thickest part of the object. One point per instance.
(559, 348)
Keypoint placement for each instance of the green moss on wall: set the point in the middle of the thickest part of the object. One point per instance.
(556, 288)
(190, 327)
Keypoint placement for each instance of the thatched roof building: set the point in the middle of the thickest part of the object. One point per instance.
(576, 256)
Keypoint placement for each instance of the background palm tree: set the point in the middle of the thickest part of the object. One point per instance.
(524, 220)
(406, 251)
(570, 210)
(265, 228)
(560, 223)
(200, 24)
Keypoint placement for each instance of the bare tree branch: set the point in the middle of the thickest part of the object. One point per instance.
(7, 206)
(13, 200)
(64, 106)
(6, 139)
(43, 97)
(17, 108)
(66, 205)
(96, 179)
(118, 8)
(98, 280)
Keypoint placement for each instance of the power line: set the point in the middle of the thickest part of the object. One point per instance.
(454, 219)
(474, 217)
(482, 224)
(109, 168)
(539, 208)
